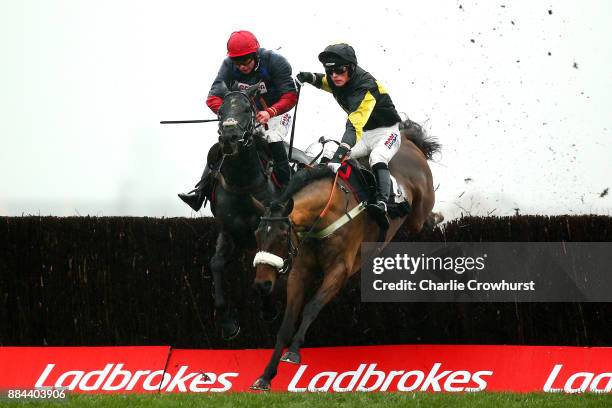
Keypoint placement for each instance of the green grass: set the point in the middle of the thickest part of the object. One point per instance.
(312, 400)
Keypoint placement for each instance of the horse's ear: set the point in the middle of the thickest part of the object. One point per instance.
(288, 207)
(235, 86)
(252, 90)
(259, 206)
(223, 89)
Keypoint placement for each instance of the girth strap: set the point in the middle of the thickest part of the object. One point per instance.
(334, 226)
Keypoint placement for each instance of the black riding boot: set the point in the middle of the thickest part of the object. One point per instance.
(378, 210)
(281, 163)
(195, 198)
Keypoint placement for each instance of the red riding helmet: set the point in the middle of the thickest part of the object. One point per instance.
(241, 43)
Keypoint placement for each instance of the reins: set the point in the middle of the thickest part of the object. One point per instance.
(250, 127)
(327, 206)
(246, 140)
(331, 196)
(292, 249)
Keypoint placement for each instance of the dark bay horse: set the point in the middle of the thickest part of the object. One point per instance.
(240, 177)
(280, 237)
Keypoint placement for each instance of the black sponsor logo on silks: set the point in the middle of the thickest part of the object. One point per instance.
(391, 140)
(285, 120)
(262, 87)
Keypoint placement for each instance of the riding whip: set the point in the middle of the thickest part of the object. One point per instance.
(173, 122)
(294, 118)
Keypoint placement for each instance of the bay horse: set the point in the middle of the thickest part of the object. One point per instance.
(314, 200)
(239, 177)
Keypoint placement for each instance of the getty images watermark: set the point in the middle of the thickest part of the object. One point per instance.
(487, 272)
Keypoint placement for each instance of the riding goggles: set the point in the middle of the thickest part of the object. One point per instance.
(242, 61)
(338, 70)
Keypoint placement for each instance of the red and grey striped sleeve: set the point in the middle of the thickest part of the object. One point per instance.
(284, 104)
(214, 102)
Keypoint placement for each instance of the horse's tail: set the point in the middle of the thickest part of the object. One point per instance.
(414, 132)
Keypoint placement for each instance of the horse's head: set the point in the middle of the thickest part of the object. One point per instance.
(237, 119)
(275, 242)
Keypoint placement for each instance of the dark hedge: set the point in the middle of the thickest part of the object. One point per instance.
(80, 281)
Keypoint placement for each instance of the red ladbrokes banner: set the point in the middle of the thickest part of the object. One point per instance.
(83, 369)
(332, 369)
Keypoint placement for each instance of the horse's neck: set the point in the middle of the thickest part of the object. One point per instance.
(309, 203)
(243, 169)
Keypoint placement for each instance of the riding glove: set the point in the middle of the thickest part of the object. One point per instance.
(343, 152)
(304, 77)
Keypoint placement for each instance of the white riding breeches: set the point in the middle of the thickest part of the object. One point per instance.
(278, 127)
(380, 144)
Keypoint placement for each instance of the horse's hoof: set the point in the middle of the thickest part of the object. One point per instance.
(261, 385)
(270, 314)
(230, 331)
(291, 357)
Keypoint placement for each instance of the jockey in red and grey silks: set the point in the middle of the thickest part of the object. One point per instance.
(271, 69)
(248, 64)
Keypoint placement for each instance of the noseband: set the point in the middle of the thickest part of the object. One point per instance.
(283, 265)
(247, 130)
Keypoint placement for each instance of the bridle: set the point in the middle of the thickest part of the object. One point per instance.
(247, 130)
(282, 265)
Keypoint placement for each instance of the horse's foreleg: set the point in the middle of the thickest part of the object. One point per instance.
(223, 311)
(332, 283)
(295, 300)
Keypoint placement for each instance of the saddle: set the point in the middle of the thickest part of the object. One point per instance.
(362, 183)
(297, 155)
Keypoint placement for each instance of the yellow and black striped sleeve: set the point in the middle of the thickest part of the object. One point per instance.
(321, 82)
(361, 105)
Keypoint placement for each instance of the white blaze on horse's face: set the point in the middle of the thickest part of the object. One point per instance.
(230, 135)
(230, 122)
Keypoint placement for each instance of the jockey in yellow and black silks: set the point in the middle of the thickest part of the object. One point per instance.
(372, 125)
